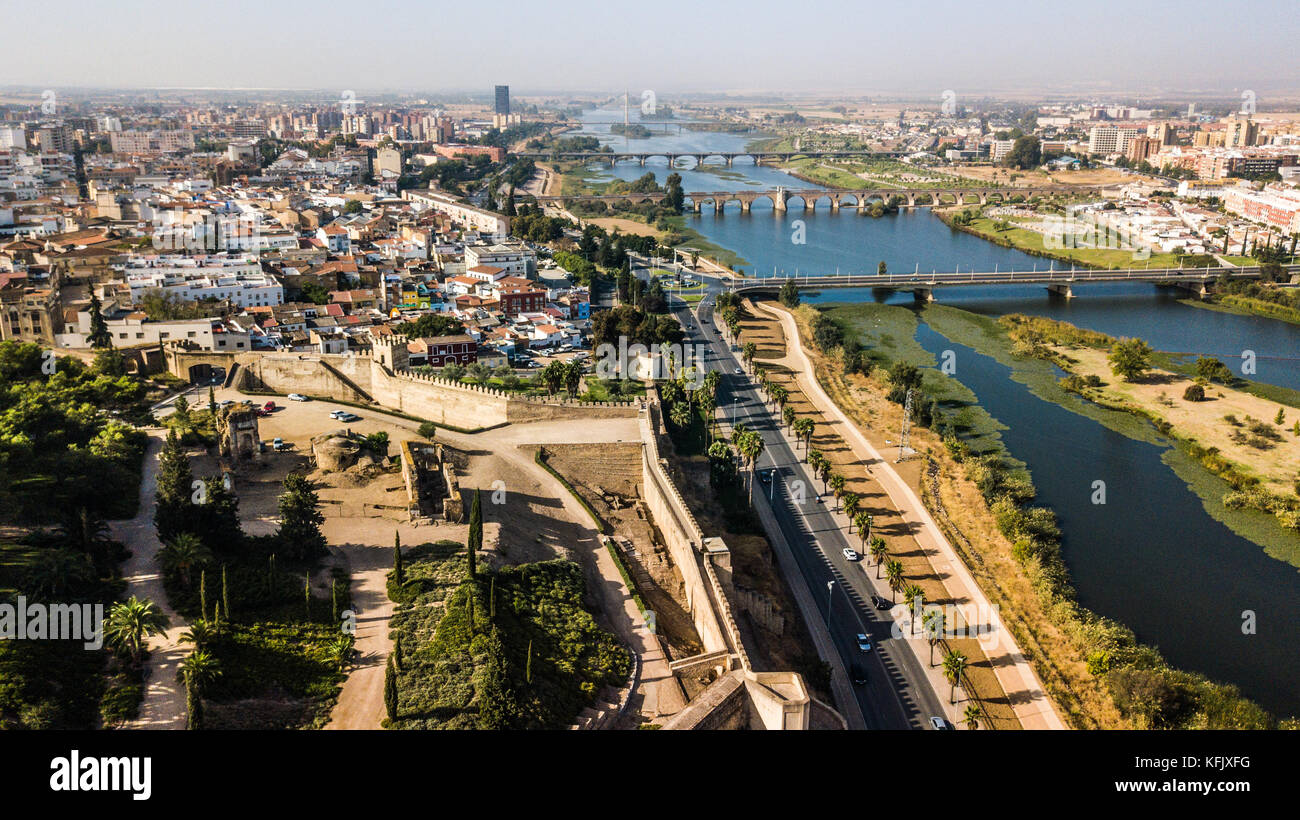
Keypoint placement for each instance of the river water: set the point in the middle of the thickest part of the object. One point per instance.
(1153, 557)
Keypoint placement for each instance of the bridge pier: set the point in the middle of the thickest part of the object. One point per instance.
(643, 161)
(778, 203)
(730, 159)
(718, 205)
(744, 205)
(1199, 289)
(695, 205)
(1062, 289)
(923, 294)
(835, 204)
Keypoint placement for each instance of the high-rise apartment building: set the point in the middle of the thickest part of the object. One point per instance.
(1107, 139)
(503, 100)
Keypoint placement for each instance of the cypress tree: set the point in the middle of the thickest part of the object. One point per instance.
(471, 608)
(175, 487)
(390, 690)
(475, 540)
(528, 667)
(225, 593)
(399, 574)
(397, 652)
(492, 599)
(203, 594)
(99, 337)
(306, 593)
(334, 598)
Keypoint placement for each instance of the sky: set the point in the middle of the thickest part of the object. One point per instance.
(673, 46)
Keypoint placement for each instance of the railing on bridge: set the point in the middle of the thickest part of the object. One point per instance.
(1049, 275)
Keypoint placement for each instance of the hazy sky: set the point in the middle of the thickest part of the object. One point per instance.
(909, 46)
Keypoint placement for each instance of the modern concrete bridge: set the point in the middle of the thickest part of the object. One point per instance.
(1057, 280)
(728, 157)
(861, 198)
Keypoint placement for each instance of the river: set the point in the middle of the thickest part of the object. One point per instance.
(1153, 558)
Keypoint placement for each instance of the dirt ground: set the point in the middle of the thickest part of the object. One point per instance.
(1204, 420)
(1088, 177)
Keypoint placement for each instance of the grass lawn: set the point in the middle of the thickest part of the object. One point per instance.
(1025, 239)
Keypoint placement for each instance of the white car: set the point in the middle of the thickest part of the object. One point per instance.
(851, 554)
(297, 397)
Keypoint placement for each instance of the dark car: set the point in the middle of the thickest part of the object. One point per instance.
(859, 674)
(880, 603)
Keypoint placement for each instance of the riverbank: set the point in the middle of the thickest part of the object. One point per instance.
(1246, 306)
(1093, 666)
(1232, 430)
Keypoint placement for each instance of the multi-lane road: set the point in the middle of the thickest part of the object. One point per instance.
(897, 694)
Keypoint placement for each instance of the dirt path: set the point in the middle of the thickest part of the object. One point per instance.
(163, 706)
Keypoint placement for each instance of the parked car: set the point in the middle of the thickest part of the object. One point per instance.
(880, 603)
(269, 407)
(851, 554)
(224, 404)
(334, 414)
(765, 476)
(864, 643)
(297, 397)
(348, 418)
(739, 372)
(277, 444)
(941, 724)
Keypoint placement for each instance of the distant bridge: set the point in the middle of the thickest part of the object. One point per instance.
(923, 285)
(861, 198)
(727, 157)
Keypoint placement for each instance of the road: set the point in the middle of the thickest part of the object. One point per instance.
(897, 694)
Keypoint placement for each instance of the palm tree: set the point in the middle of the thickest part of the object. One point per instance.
(851, 501)
(788, 414)
(915, 598)
(933, 622)
(680, 415)
(954, 666)
(183, 555)
(837, 487)
(130, 622)
(803, 428)
(878, 552)
(972, 716)
(894, 575)
(863, 522)
(751, 447)
(780, 396)
(200, 668)
(199, 634)
(815, 459)
(824, 469)
(57, 570)
(747, 352)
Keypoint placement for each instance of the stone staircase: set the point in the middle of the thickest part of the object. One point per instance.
(600, 714)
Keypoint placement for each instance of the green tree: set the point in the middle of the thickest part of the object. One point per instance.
(878, 552)
(933, 623)
(790, 294)
(954, 666)
(300, 518)
(475, 540)
(174, 508)
(183, 555)
(131, 622)
(894, 577)
(390, 691)
(99, 337)
(399, 574)
(971, 717)
(1130, 359)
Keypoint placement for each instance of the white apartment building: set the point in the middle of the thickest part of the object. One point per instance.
(494, 225)
(237, 279)
(1109, 139)
(515, 258)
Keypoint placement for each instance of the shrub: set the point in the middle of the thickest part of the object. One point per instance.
(1194, 392)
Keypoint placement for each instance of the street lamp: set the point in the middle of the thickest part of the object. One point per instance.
(830, 588)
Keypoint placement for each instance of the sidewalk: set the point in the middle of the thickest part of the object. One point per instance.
(1032, 706)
